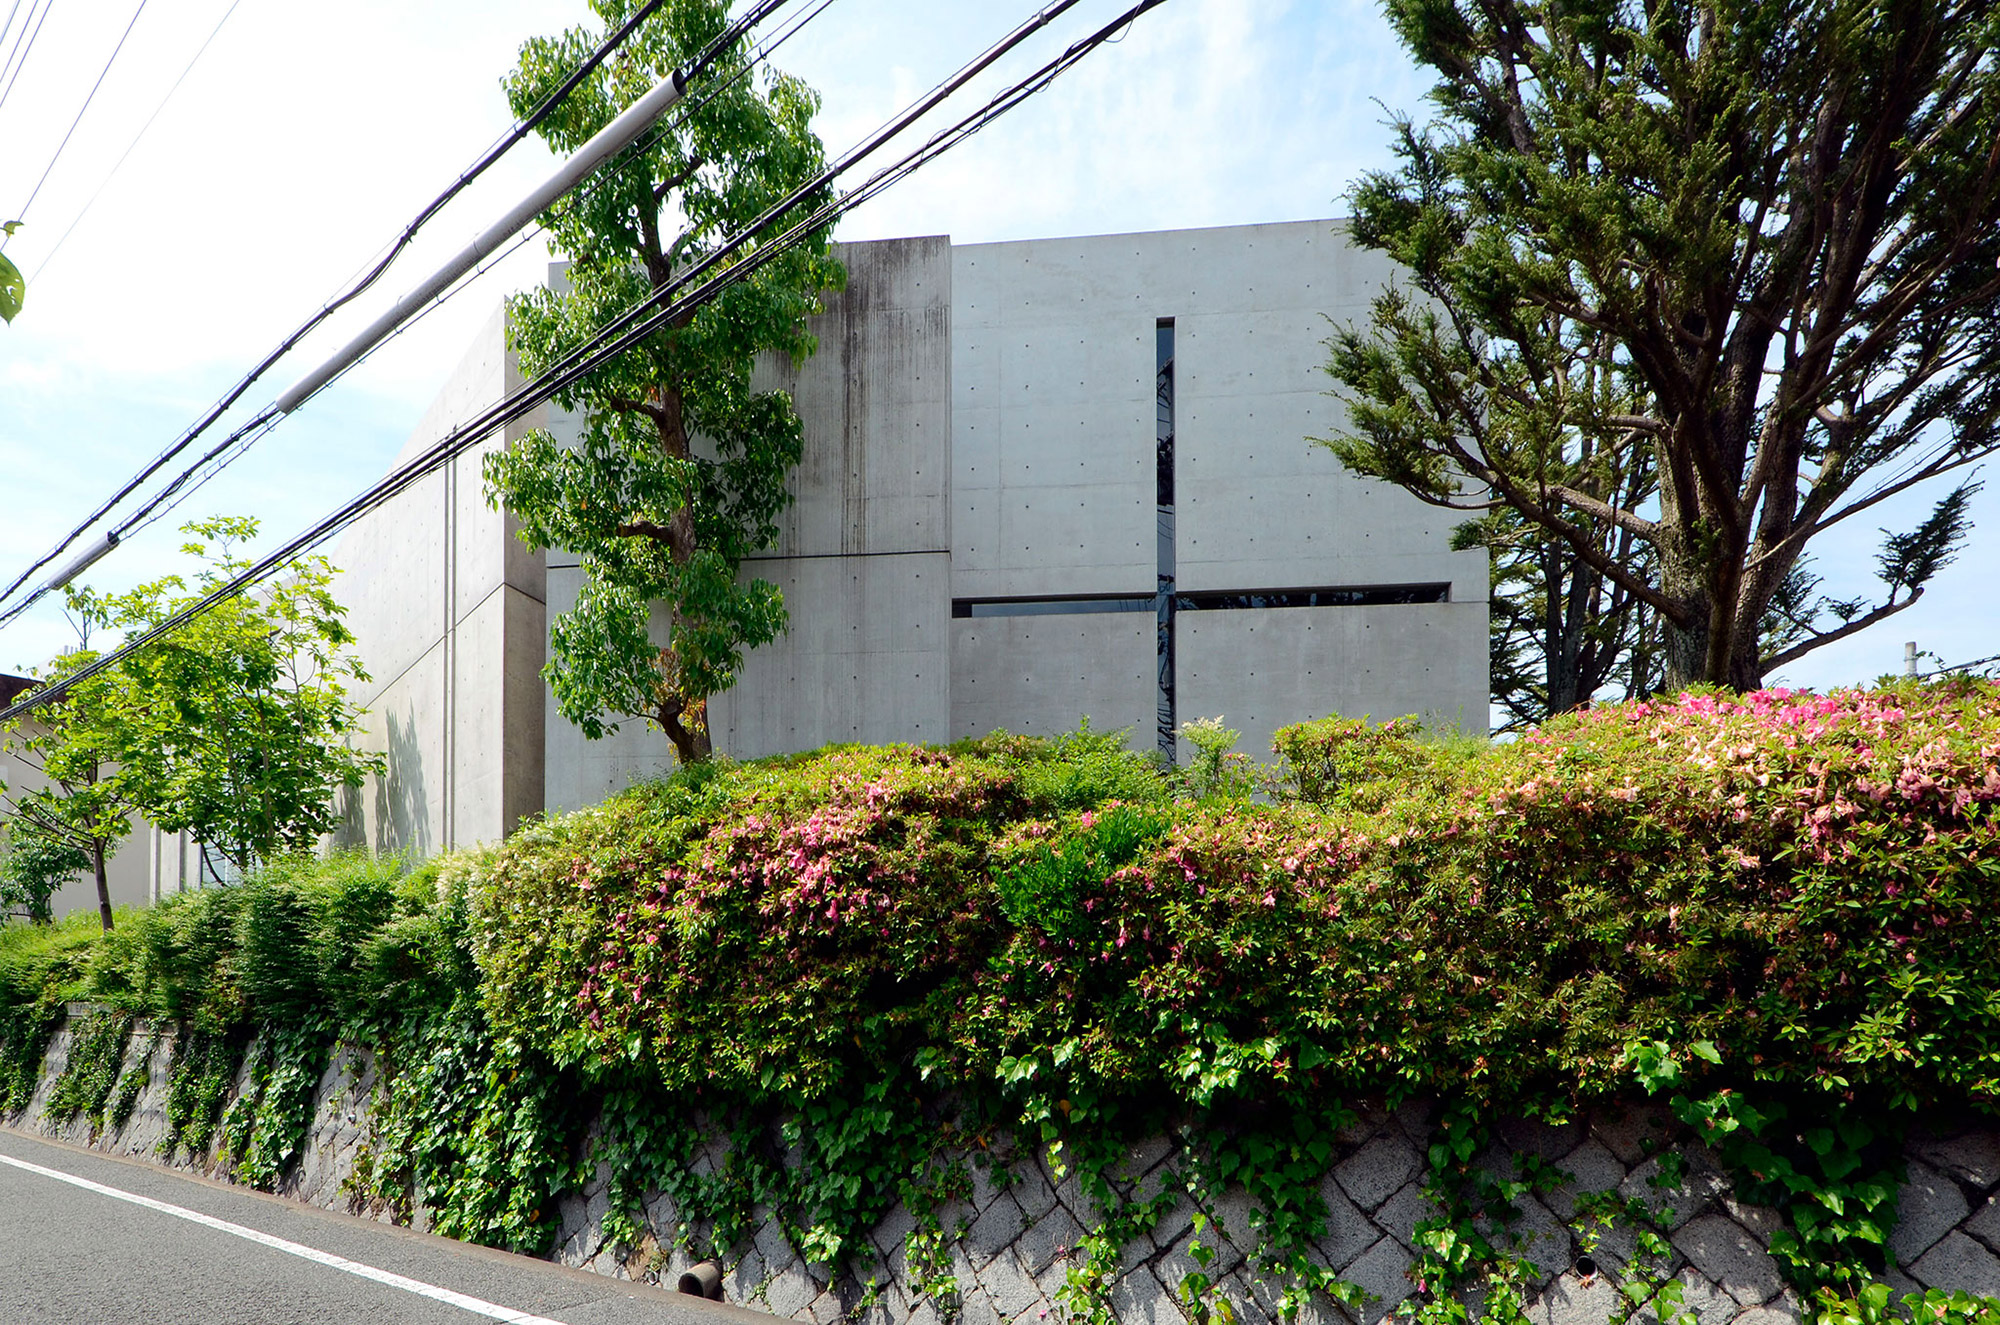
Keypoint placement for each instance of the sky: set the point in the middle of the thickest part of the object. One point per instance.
(305, 136)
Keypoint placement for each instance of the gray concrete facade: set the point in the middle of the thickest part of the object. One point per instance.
(978, 535)
(449, 610)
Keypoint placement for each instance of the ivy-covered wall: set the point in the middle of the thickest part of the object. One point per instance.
(785, 1006)
(1608, 1209)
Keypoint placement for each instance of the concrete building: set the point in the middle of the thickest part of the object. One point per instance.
(1043, 480)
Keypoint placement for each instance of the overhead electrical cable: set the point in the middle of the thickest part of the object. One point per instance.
(8, 26)
(604, 347)
(80, 110)
(361, 283)
(219, 457)
(56, 248)
(24, 45)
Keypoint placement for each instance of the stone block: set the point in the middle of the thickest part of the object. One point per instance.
(1574, 1300)
(1139, 1299)
(1985, 1223)
(749, 1277)
(1760, 1221)
(1008, 1286)
(1374, 1173)
(1035, 1194)
(1235, 1218)
(1767, 1316)
(1173, 1267)
(1347, 1232)
(1381, 1273)
(1418, 1119)
(1958, 1263)
(1544, 1140)
(1048, 1239)
(1401, 1213)
(1542, 1238)
(1368, 1120)
(1626, 1129)
(1973, 1156)
(777, 1249)
(994, 1231)
(1928, 1206)
(1710, 1305)
(897, 1225)
(1592, 1168)
(1702, 1183)
(1726, 1253)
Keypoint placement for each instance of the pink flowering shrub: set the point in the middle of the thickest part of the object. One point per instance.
(1809, 881)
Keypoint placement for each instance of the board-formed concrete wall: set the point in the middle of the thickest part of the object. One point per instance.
(1055, 483)
(980, 423)
(447, 607)
(1016, 1237)
(863, 555)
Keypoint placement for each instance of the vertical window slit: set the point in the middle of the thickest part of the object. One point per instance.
(1164, 602)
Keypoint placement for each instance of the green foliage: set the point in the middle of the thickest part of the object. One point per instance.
(234, 727)
(821, 985)
(242, 720)
(1217, 768)
(33, 865)
(13, 286)
(203, 1069)
(1350, 764)
(659, 523)
(1613, 288)
(96, 1056)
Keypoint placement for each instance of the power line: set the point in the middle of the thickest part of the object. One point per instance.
(80, 110)
(50, 256)
(23, 46)
(238, 443)
(8, 26)
(233, 448)
(355, 288)
(610, 341)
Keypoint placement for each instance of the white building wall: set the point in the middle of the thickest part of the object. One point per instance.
(864, 553)
(1054, 488)
(447, 606)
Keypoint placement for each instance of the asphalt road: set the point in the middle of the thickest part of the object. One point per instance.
(73, 1255)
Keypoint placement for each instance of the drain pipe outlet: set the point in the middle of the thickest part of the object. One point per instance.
(704, 1280)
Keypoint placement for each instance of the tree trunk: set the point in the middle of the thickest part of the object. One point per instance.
(103, 884)
(687, 728)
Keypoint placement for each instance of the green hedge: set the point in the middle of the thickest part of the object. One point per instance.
(861, 961)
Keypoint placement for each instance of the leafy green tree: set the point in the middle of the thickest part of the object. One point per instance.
(248, 703)
(1756, 238)
(680, 471)
(80, 745)
(33, 866)
(231, 728)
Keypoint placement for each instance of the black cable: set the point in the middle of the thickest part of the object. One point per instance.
(368, 278)
(118, 165)
(238, 443)
(8, 25)
(552, 382)
(23, 47)
(80, 110)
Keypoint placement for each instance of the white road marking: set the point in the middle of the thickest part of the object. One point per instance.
(477, 1306)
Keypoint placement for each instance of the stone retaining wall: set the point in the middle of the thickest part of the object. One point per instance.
(1016, 1239)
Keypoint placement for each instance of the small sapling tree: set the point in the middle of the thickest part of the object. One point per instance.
(231, 728)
